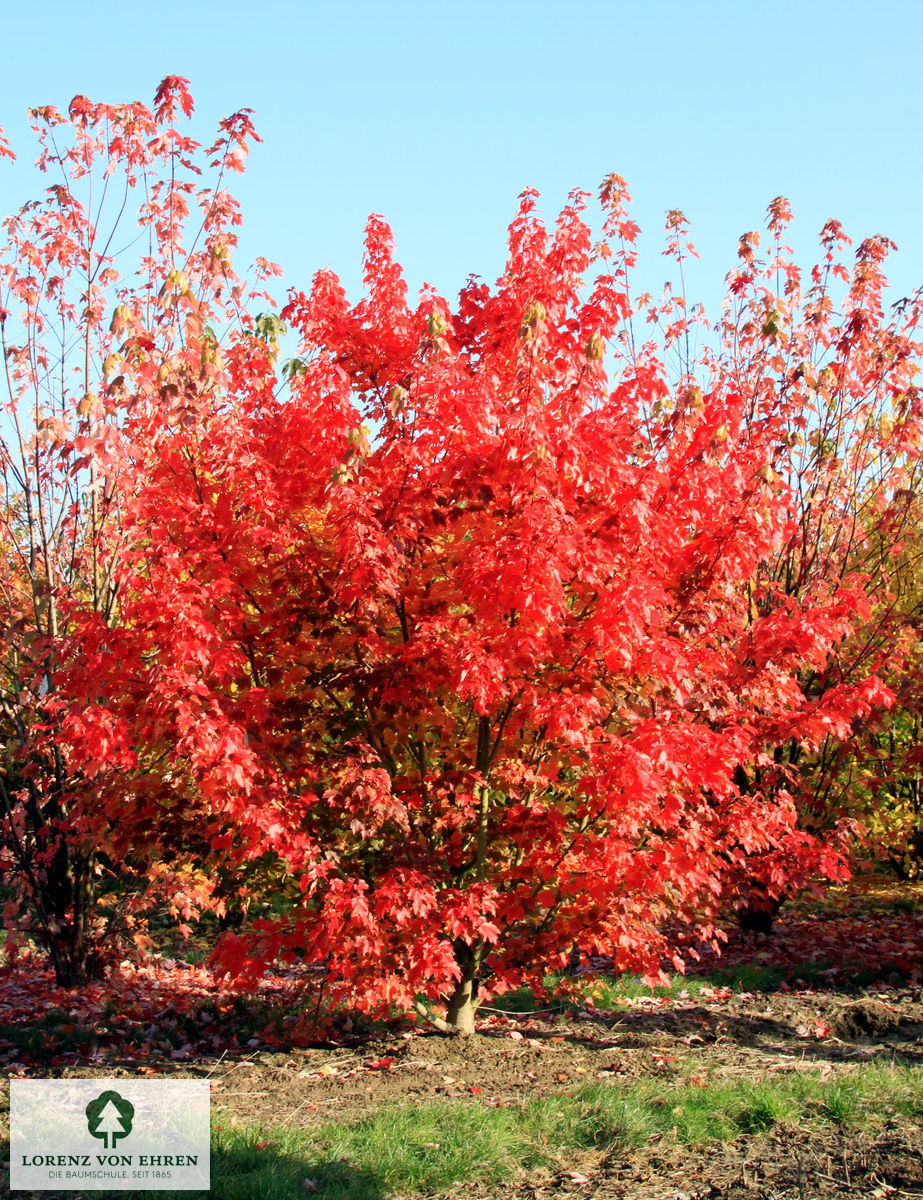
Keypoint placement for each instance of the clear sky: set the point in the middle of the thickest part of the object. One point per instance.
(437, 115)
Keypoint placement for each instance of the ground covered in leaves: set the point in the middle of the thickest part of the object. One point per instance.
(802, 1005)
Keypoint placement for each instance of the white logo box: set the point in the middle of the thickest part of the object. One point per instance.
(109, 1134)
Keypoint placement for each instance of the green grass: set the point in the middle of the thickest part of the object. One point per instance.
(523, 1000)
(421, 1149)
(607, 992)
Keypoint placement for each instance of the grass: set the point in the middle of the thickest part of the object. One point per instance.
(563, 992)
(415, 1150)
(607, 992)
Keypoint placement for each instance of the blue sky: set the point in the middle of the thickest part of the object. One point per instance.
(437, 116)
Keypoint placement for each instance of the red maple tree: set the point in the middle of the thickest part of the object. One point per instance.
(115, 288)
(470, 626)
(850, 462)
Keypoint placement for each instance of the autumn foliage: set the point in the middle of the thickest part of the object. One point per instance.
(485, 629)
(88, 841)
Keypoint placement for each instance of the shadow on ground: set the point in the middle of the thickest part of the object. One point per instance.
(248, 1172)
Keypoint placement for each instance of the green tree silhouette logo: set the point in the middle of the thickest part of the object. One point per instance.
(109, 1117)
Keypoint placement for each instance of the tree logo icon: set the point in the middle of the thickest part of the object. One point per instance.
(109, 1117)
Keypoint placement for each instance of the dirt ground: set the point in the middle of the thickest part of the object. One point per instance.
(170, 1018)
(513, 1058)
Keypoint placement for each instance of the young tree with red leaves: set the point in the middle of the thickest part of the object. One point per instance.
(473, 627)
(850, 462)
(109, 286)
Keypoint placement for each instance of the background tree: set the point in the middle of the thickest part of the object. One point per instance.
(107, 287)
(850, 464)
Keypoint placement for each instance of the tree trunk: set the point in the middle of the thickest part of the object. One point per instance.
(460, 1013)
(462, 1004)
(759, 918)
(71, 906)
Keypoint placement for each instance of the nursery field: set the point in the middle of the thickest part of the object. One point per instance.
(792, 1068)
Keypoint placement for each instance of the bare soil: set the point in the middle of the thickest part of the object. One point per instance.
(514, 1058)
